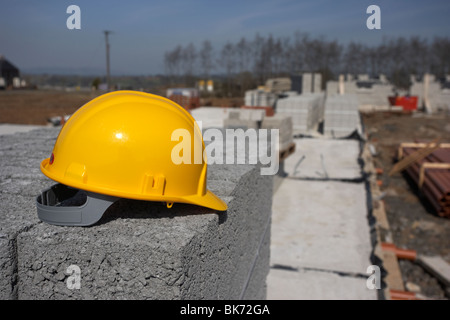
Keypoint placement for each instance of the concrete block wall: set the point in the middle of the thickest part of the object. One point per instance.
(283, 123)
(332, 88)
(278, 85)
(210, 117)
(306, 111)
(307, 83)
(244, 119)
(317, 87)
(341, 115)
(139, 249)
(259, 98)
(439, 99)
(376, 96)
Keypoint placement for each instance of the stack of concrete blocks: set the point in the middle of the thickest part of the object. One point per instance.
(306, 111)
(341, 116)
(373, 98)
(317, 83)
(441, 102)
(438, 98)
(244, 119)
(290, 93)
(210, 117)
(319, 116)
(259, 98)
(278, 85)
(307, 82)
(417, 89)
(139, 249)
(332, 88)
(283, 123)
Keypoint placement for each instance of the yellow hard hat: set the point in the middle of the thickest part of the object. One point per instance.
(119, 145)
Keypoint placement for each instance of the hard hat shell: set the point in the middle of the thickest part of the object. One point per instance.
(120, 144)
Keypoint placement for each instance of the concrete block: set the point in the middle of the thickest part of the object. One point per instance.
(305, 110)
(332, 87)
(244, 118)
(317, 86)
(261, 270)
(7, 268)
(315, 285)
(211, 117)
(324, 159)
(341, 115)
(248, 114)
(146, 251)
(139, 249)
(17, 214)
(334, 235)
(307, 82)
(284, 124)
(6, 128)
(278, 85)
(240, 124)
(259, 98)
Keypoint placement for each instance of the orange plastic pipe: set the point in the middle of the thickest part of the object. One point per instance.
(400, 253)
(402, 295)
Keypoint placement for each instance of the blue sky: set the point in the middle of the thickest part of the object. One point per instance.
(34, 36)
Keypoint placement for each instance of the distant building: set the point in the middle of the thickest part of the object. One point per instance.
(9, 74)
(188, 98)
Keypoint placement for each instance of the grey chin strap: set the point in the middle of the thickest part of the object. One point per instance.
(64, 206)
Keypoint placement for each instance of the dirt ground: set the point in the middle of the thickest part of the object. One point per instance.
(412, 220)
(36, 106)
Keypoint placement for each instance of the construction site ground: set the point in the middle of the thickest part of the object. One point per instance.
(413, 222)
(36, 106)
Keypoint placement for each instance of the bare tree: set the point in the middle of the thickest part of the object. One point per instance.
(418, 56)
(296, 53)
(189, 58)
(173, 62)
(440, 51)
(355, 58)
(258, 58)
(251, 62)
(206, 59)
(243, 51)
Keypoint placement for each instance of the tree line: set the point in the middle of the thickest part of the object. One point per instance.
(250, 62)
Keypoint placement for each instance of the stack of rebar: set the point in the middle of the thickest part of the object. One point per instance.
(435, 182)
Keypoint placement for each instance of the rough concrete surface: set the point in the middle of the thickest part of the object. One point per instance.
(316, 286)
(324, 159)
(138, 250)
(6, 128)
(320, 236)
(331, 236)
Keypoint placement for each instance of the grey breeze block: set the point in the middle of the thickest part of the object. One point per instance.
(139, 249)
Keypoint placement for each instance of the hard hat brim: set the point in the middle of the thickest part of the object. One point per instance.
(209, 200)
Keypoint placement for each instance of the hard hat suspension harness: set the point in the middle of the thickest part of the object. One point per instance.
(66, 206)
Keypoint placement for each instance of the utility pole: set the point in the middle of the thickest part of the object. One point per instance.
(108, 76)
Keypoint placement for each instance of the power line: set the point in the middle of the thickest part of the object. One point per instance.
(108, 74)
